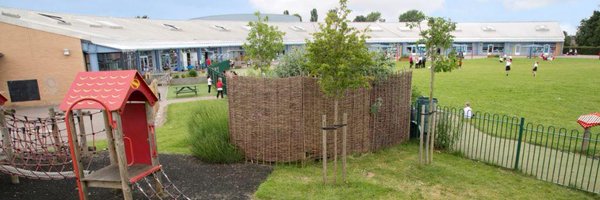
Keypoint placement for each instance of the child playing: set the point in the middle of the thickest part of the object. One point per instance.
(535, 66)
(508, 63)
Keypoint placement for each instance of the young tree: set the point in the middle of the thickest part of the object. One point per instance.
(298, 15)
(437, 38)
(286, 12)
(263, 43)
(411, 16)
(338, 57)
(359, 18)
(313, 15)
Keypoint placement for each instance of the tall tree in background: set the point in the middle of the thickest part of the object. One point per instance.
(567, 41)
(437, 38)
(588, 33)
(263, 43)
(411, 16)
(298, 15)
(313, 15)
(286, 12)
(373, 16)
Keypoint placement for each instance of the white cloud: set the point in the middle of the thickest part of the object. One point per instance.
(527, 4)
(389, 9)
(569, 28)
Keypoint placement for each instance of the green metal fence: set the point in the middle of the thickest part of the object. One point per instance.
(548, 153)
(216, 71)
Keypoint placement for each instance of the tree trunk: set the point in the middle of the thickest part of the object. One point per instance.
(430, 116)
(335, 141)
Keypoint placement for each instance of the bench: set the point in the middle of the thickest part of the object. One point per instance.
(186, 89)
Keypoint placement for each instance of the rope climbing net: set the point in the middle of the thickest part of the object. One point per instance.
(37, 148)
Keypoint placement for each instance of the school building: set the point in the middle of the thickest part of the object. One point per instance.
(40, 52)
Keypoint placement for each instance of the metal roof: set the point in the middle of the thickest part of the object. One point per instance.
(146, 34)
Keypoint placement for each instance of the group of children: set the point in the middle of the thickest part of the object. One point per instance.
(420, 61)
(219, 86)
(509, 60)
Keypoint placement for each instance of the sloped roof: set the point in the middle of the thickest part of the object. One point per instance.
(112, 88)
(2, 100)
(142, 34)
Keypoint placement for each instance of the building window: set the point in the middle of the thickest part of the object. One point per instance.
(116, 61)
(23, 90)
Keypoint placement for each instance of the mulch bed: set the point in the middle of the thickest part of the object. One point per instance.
(194, 178)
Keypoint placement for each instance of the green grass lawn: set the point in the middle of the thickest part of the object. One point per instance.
(394, 173)
(173, 136)
(202, 91)
(563, 90)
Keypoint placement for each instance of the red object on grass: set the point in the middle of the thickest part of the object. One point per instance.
(113, 88)
(2, 100)
(589, 120)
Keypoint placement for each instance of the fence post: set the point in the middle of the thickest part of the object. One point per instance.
(519, 141)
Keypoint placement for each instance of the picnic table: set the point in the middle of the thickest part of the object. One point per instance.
(186, 89)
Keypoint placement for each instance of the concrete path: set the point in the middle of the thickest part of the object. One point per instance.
(562, 167)
(161, 115)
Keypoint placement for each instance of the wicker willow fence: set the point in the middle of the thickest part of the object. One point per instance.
(279, 120)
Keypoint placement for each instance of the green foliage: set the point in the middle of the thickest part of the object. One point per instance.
(375, 107)
(359, 18)
(568, 39)
(583, 50)
(298, 15)
(209, 135)
(263, 43)
(446, 133)
(192, 73)
(382, 68)
(371, 17)
(286, 12)
(412, 16)
(587, 33)
(314, 17)
(175, 76)
(338, 54)
(292, 64)
(415, 93)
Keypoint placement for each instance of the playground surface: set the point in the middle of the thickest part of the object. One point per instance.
(194, 178)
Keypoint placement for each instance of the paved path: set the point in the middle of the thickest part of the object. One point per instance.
(561, 167)
(161, 115)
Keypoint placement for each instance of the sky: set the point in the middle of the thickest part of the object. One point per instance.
(568, 13)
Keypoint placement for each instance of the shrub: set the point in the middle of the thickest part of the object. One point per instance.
(183, 75)
(416, 93)
(382, 67)
(192, 73)
(292, 64)
(176, 76)
(209, 135)
(446, 133)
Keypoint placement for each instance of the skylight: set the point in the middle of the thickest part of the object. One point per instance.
(172, 27)
(11, 15)
(220, 28)
(541, 28)
(297, 28)
(110, 24)
(59, 19)
(90, 23)
(488, 28)
(375, 28)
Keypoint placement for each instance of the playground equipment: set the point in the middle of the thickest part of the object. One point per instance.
(126, 102)
(34, 148)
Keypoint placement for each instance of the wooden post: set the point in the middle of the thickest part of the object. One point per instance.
(84, 146)
(110, 138)
(153, 146)
(335, 141)
(77, 157)
(324, 123)
(121, 158)
(55, 134)
(422, 134)
(433, 127)
(344, 139)
(6, 144)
